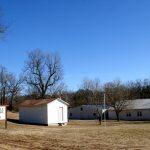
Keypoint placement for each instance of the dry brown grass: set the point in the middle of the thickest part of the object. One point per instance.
(86, 135)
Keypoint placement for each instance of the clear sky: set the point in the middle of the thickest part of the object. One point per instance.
(105, 39)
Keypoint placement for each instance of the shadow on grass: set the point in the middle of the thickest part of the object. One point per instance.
(128, 122)
(138, 122)
(16, 121)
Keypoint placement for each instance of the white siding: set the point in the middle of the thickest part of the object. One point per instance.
(33, 115)
(134, 116)
(83, 112)
(53, 112)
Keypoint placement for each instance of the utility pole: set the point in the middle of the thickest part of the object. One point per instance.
(104, 109)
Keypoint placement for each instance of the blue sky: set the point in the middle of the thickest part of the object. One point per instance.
(105, 39)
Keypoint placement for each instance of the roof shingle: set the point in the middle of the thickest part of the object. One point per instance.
(29, 103)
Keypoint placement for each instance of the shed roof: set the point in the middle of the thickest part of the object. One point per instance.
(31, 103)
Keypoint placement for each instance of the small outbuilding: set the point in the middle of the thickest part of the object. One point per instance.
(47, 112)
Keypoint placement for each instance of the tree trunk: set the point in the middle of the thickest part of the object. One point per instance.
(100, 120)
(4, 98)
(43, 95)
(117, 114)
(1, 100)
(11, 102)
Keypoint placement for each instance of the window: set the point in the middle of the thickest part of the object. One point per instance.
(81, 108)
(139, 113)
(94, 114)
(128, 114)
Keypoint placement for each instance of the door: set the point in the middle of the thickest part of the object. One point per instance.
(60, 114)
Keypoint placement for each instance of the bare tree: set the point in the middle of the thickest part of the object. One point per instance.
(3, 84)
(59, 90)
(93, 85)
(139, 89)
(14, 89)
(93, 92)
(146, 88)
(94, 88)
(116, 95)
(68, 97)
(9, 86)
(43, 71)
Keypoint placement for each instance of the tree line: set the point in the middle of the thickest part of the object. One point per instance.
(92, 91)
(117, 93)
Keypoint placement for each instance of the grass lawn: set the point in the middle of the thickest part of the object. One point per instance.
(83, 135)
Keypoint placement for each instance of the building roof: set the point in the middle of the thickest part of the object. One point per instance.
(139, 104)
(31, 103)
(136, 104)
(92, 106)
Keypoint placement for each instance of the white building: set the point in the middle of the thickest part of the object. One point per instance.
(136, 110)
(48, 112)
(85, 112)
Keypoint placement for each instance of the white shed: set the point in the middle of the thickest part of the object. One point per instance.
(47, 111)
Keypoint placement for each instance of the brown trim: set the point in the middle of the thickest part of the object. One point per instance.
(31, 103)
(6, 117)
(33, 106)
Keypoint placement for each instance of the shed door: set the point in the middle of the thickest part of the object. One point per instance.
(60, 114)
